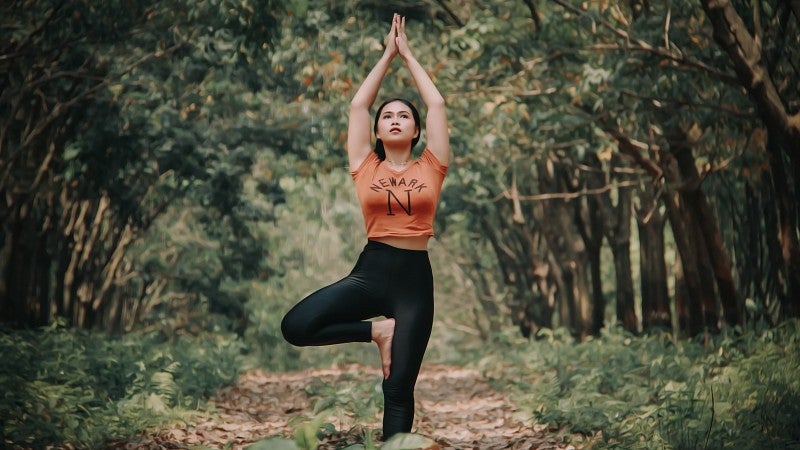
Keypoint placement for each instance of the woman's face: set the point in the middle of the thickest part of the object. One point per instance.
(396, 124)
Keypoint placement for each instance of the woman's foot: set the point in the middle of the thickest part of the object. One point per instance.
(382, 334)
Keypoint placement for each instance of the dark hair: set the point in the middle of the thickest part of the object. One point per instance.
(379, 150)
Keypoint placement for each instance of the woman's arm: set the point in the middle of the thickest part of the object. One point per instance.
(436, 129)
(359, 129)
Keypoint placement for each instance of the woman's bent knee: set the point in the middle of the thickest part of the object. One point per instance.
(293, 330)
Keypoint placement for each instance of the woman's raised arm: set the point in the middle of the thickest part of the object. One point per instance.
(436, 128)
(359, 129)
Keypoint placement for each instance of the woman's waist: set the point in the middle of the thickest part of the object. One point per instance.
(404, 242)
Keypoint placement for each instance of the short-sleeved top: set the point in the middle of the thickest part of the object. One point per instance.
(399, 202)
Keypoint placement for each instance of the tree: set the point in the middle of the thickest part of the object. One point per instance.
(647, 81)
(762, 60)
(105, 126)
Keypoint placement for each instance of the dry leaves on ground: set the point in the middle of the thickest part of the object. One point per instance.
(455, 406)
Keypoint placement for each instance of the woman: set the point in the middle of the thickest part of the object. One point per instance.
(392, 277)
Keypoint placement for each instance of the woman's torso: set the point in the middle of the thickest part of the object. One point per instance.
(399, 205)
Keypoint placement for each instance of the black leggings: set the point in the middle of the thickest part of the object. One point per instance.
(386, 281)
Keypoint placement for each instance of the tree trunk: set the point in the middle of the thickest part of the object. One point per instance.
(567, 251)
(752, 70)
(620, 240)
(787, 255)
(688, 319)
(655, 296)
(745, 52)
(700, 211)
(590, 220)
(598, 298)
(523, 271)
(697, 295)
(614, 222)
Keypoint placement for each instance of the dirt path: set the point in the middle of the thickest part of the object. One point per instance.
(456, 407)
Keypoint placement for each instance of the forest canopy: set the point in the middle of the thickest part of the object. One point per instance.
(169, 163)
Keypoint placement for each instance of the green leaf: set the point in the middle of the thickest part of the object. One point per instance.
(408, 441)
(299, 6)
(323, 404)
(306, 436)
(274, 443)
(156, 403)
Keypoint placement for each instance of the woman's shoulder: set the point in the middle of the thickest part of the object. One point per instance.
(357, 167)
(429, 158)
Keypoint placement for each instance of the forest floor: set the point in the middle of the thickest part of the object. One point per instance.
(456, 407)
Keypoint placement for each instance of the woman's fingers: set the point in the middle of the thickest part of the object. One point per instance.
(397, 41)
(391, 38)
(393, 31)
(402, 39)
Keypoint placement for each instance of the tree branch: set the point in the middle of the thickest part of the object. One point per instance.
(683, 103)
(568, 195)
(634, 148)
(36, 31)
(670, 56)
(634, 44)
(60, 107)
(744, 50)
(459, 23)
(537, 22)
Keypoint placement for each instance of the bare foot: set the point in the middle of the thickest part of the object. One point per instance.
(382, 334)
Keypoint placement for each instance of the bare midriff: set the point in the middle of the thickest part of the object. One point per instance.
(405, 242)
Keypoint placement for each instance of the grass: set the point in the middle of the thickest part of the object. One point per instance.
(64, 387)
(734, 390)
(737, 389)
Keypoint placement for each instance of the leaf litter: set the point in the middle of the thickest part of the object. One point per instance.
(456, 407)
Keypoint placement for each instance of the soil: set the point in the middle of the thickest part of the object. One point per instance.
(456, 407)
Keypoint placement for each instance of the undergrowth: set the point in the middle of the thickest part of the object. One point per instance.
(733, 390)
(70, 388)
(77, 389)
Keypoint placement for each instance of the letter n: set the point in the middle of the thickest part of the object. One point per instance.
(406, 208)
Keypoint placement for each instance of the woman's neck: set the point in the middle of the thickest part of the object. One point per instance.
(398, 157)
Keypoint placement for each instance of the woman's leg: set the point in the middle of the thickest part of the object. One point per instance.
(387, 282)
(413, 314)
(334, 314)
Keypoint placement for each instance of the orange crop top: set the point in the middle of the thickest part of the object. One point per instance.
(399, 202)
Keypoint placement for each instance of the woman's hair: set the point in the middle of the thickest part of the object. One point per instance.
(379, 150)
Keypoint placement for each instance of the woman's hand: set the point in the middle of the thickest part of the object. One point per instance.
(401, 39)
(391, 39)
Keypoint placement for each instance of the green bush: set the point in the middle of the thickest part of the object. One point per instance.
(735, 389)
(69, 387)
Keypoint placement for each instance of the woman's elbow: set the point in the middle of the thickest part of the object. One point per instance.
(357, 104)
(436, 102)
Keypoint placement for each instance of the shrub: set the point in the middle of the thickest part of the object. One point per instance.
(77, 388)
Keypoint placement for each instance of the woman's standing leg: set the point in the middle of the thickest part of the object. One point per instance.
(387, 282)
(413, 313)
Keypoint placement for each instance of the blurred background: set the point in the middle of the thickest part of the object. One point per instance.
(176, 170)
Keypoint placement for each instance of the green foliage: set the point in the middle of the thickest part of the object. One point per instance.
(314, 240)
(652, 392)
(274, 443)
(407, 441)
(71, 388)
(362, 400)
(216, 128)
(124, 111)
(307, 438)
